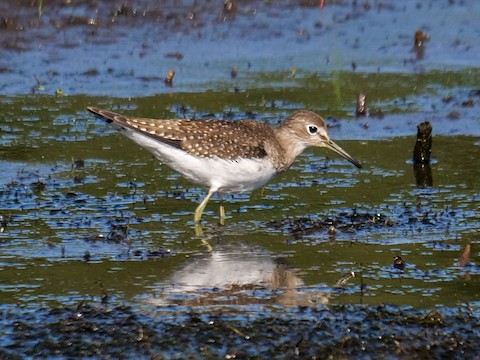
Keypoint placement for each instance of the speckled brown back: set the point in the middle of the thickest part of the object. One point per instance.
(203, 138)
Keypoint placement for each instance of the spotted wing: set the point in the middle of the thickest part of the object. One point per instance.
(204, 138)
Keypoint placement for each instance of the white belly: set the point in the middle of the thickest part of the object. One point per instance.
(224, 176)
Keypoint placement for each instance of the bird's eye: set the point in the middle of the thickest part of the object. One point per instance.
(312, 129)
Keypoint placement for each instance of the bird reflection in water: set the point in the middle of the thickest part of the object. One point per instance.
(235, 274)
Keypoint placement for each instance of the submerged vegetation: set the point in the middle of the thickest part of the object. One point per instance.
(97, 242)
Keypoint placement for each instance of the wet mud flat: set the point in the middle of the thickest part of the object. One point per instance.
(352, 331)
(71, 216)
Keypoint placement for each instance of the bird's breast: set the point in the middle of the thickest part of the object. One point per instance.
(229, 176)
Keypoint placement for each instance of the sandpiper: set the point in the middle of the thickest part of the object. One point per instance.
(226, 156)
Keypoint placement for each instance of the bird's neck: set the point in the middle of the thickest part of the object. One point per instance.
(289, 146)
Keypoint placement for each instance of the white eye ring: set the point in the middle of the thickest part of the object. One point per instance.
(312, 129)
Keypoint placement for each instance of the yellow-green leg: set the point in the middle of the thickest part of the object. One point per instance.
(201, 207)
(222, 211)
(222, 215)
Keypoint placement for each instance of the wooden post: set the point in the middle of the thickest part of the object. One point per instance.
(421, 155)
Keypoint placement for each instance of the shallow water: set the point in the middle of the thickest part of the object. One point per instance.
(88, 216)
(134, 217)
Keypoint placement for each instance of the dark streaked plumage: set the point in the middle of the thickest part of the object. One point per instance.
(204, 138)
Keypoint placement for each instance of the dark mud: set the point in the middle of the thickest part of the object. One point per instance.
(86, 217)
(323, 332)
(410, 220)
